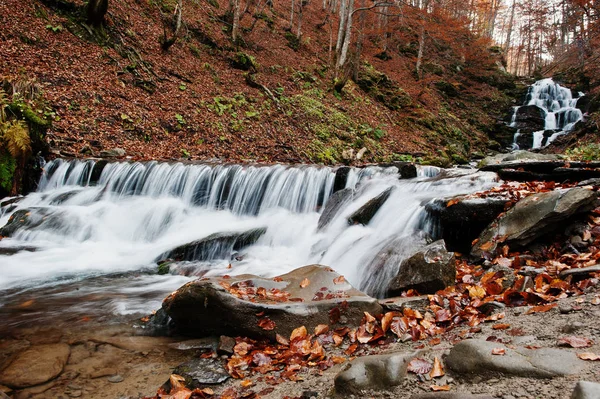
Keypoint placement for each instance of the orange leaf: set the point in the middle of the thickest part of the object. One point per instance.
(588, 356)
(266, 324)
(282, 340)
(351, 349)
(476, 291)
(498, 351)
(304, 283)
(501, 326)
(386, 320)
(246, 383)
(338, 359)
(370, 318)
(339, 280)
(541, 308)
(321, 329)
(440, 388)
(298, 333)
(452, 202)
(437, 370)
(486, 246)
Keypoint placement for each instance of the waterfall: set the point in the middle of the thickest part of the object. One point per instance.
(558, 107)
(93, 218)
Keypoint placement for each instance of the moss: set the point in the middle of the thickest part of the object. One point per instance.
(382, 88)
(164, 268)
(245, 62)
(7, 171)
(292, 41)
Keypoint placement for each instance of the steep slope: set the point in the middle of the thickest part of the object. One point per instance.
(268, 99)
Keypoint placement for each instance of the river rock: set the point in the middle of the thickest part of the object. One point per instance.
(586, 390)
(199, 372)
(113, 153)
(530, 118)
(341, 178)
(215, 246)
(521, 155)
(532, 217)
(429, 270)
(365, 213)
(462, 219)
(34, 218)
(303, 297)
(372, 372)
(475, 357)
(36, 365)
(333, 206)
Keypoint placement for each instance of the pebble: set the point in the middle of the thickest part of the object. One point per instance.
(572, 327)
(75, 394)
(565, 308)
(115, 379)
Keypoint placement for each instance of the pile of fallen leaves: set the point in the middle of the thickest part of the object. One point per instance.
(478, 296)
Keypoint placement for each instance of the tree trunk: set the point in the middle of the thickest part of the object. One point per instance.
(421, 50)
(347, 35)
(510, 26)
(96, 10)
(176, 26)
(235, 27)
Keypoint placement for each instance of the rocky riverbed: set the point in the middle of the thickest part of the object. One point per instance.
(519, 319)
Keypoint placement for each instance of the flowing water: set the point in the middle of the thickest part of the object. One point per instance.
(99, 229)
(558, 106)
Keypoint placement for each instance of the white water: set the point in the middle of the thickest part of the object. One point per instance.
(137, 211)
(559, 108)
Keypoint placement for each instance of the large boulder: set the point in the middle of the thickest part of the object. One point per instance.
(473, 356)
(215, 246)
(334, 205)
(586, 390)
(372, 372)
(460, 220)
(532, 217)
(365, 213)
(431, 269)
(35, 366)
(530, 118)
(263, 307)
(520, 155)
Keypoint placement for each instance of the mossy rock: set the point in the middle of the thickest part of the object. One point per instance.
(7, 171)
(447, 88)
(382, 88)
(293, 41)
(434, 68)
(243, 61)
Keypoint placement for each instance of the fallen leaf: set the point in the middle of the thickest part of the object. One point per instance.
(282, 340)
(588, 356)
(266, 324)
(246, 383)
(351, 349)
(298, 333)
(304, 283)
(575, 342)
(370, 318)
(486, 246)
(499, 351)
(440, 388)
(339, 280)
(501, 326)
(541, 308)
(437, 370)
(476, 291)
(419, 366)
(595, 301)
(321, 329)
(452, 202)
(386, 321)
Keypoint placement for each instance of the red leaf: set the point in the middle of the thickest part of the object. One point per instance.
(575, 342)
(266, 324)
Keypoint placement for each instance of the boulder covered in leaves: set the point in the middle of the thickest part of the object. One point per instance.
(260, 307)
(533, 217)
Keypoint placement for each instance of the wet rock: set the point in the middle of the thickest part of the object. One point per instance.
(208, 343)
(226, 345)
(198, 307)
(406, 170)
(112, 153)
(496, 162)
(475, 357)
(198, 372)
(367, 211)
(372, 372)
(35, 366)
(450, 395)
(532, 217)
(215, 246)
(34, 218)
(429, 270)
(530, 118)
(586, 390)
(580, 273)
(333, 206)
(341, 178)
(462, 219)
(159, 324)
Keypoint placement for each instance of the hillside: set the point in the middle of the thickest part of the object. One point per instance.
(268, 99)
